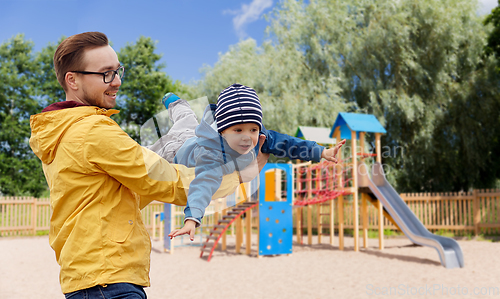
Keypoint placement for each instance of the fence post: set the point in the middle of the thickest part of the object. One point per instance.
(380, 225)
(477, 214)
(309, 207)
(33, 215)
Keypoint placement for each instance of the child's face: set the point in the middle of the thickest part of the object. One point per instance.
(242, 137)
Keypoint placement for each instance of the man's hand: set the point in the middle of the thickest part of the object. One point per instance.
(188, 228)
(261, 157)
(329, 154)
(253, 170)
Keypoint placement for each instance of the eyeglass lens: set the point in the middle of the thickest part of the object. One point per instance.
(109, 76)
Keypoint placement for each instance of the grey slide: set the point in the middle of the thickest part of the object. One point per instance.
(448, 249)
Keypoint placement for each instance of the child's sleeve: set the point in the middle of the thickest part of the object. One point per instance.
(208, 178)
(282, 145)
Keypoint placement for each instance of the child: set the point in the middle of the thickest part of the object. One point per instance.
(230, 142)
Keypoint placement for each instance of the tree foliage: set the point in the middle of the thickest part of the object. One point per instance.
(493, 41)
(20, 170)
(417, 65)
(48, 90)
(427, 69)
(143, 85)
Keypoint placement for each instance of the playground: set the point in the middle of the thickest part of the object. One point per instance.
(410, 209)
(351, 194)
(318, 271)
(303, 235)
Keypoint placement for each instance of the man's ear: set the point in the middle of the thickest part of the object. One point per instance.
(71, 80)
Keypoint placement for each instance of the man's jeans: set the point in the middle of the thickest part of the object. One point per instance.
(111, 291)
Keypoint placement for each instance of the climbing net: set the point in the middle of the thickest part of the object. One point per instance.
(317, 183)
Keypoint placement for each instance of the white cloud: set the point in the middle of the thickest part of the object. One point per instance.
(485, 6)
(248, 14)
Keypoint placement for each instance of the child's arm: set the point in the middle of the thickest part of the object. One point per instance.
(246, 175)
(286, 146)
(208, 179)
(331, 153)
(282, 145)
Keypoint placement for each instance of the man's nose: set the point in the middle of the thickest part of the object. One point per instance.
(116, 81)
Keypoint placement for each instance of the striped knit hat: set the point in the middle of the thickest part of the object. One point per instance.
(238, 104)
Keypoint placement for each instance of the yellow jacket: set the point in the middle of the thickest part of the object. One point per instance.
(99, 179)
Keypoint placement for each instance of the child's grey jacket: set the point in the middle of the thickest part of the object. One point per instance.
(212, 158)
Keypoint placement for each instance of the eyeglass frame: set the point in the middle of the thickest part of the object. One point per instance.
(115, 72)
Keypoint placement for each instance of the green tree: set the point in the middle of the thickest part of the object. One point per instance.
(411, 65)
(492, 108)
(493, 45)
(28, 84)
(417, 65)
(20, 169)
(290, 91)
(47, 87)
(143, 85)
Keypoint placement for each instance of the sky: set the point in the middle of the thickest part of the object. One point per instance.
(189, 33)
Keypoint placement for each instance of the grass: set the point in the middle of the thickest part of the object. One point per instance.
(373, 234)
(26, 234)
(388, 233)
(470, 236)
(482, 237)
(445, 233)
(42, 233)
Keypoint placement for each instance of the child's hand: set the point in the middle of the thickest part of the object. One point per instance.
(329, 154)
(188, 228)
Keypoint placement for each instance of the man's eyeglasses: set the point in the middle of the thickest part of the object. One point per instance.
(108, 76)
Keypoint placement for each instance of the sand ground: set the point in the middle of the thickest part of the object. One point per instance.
(29, 270)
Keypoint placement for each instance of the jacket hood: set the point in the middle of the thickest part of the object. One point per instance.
(48, 128)
(63, 105)
(207, 130)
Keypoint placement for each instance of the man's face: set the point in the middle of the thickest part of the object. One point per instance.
(93, 90)
(242, 137)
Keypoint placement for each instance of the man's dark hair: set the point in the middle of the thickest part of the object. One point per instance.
(69, 54)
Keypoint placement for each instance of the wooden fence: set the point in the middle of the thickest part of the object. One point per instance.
(24, 215)
(31, 216)
(476, 212)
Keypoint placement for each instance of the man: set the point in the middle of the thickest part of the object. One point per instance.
(99, 178)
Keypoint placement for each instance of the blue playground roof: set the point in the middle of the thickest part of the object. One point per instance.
(356, 122)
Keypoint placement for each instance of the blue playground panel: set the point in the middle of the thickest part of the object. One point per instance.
(275, 217)
(162, 216)
(167, 243)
